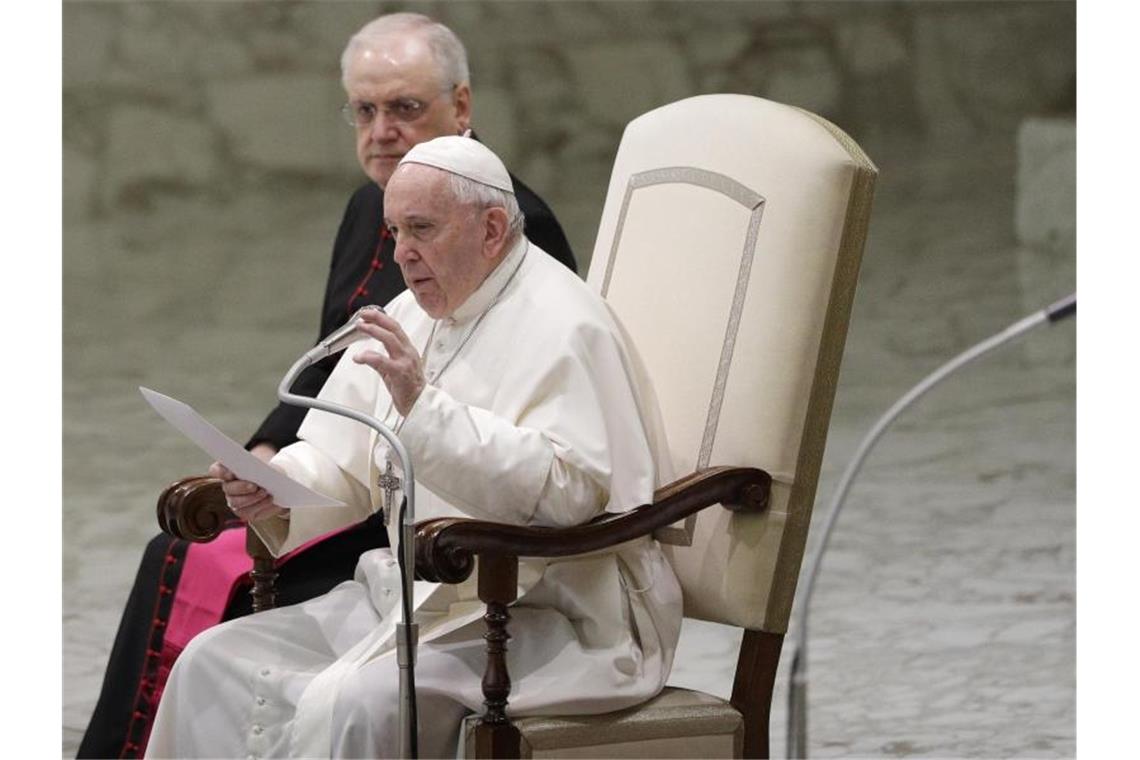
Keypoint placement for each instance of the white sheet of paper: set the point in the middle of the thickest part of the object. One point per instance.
(286, 491)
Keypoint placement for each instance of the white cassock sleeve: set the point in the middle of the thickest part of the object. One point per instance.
(307, 464)
(494, 470)
(335, 465)
(549, 455)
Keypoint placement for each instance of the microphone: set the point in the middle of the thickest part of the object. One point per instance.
(1066, 307)
(340, 338)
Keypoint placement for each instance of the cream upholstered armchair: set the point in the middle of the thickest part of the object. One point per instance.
(729, 249)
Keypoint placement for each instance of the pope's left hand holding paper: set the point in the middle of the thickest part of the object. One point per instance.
(254, 489)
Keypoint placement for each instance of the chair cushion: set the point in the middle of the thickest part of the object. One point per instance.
(675, 723)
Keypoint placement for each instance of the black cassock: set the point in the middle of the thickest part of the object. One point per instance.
(362, 272)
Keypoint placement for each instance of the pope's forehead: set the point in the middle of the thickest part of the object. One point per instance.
(415, 185)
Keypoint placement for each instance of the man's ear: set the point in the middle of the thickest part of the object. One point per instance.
(495, 225)
(461, 100)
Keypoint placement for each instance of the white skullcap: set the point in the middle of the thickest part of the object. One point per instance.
(463, 156)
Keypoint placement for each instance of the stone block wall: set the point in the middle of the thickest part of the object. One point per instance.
(212, 101)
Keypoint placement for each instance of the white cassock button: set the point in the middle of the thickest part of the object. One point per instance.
(387, 592)
(265, 671)
(257, 729)
(260, 701)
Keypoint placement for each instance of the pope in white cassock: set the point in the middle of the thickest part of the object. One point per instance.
(509, 382)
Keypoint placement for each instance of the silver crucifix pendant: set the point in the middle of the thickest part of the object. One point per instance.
(390, 483)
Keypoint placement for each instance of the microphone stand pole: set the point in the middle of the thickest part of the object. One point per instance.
(407, 631)
(798, 680)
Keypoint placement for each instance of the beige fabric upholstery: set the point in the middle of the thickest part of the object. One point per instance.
(676, 723)
(729, 248)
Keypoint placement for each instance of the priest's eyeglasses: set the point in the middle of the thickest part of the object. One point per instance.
(361, 113)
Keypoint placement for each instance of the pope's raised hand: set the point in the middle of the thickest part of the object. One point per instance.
(247, 500)
(401, 368)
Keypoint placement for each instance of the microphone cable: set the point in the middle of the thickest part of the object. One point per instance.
(409, 639)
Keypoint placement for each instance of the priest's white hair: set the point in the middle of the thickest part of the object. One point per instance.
(447, 49)
(469, 192)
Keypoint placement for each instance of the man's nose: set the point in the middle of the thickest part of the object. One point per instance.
(403, 253)
(382, 128)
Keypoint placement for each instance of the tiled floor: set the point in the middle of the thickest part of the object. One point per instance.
(944, 618)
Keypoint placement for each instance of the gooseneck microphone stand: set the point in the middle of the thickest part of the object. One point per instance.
(798, 680)
(407, 632)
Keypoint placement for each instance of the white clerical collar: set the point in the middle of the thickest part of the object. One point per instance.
(492, 287)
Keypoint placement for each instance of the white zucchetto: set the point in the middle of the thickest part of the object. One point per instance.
(463, 156)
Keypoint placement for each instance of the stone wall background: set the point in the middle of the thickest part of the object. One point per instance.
(206, 169)
(223, 100)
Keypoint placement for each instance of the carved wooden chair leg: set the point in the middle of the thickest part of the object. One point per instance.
(752, 690)
(264, 573)
(496, 736)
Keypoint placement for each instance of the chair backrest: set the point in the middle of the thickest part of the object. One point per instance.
(729, 248)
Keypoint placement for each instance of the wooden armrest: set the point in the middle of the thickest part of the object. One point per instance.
(194, 509)
(446, 547)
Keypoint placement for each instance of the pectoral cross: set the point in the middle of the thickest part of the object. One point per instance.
(390, 483)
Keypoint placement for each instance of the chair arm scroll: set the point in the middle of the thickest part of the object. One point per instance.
(446, 547)
(194, 509)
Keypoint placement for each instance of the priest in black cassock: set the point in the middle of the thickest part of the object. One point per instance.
(407, 81)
